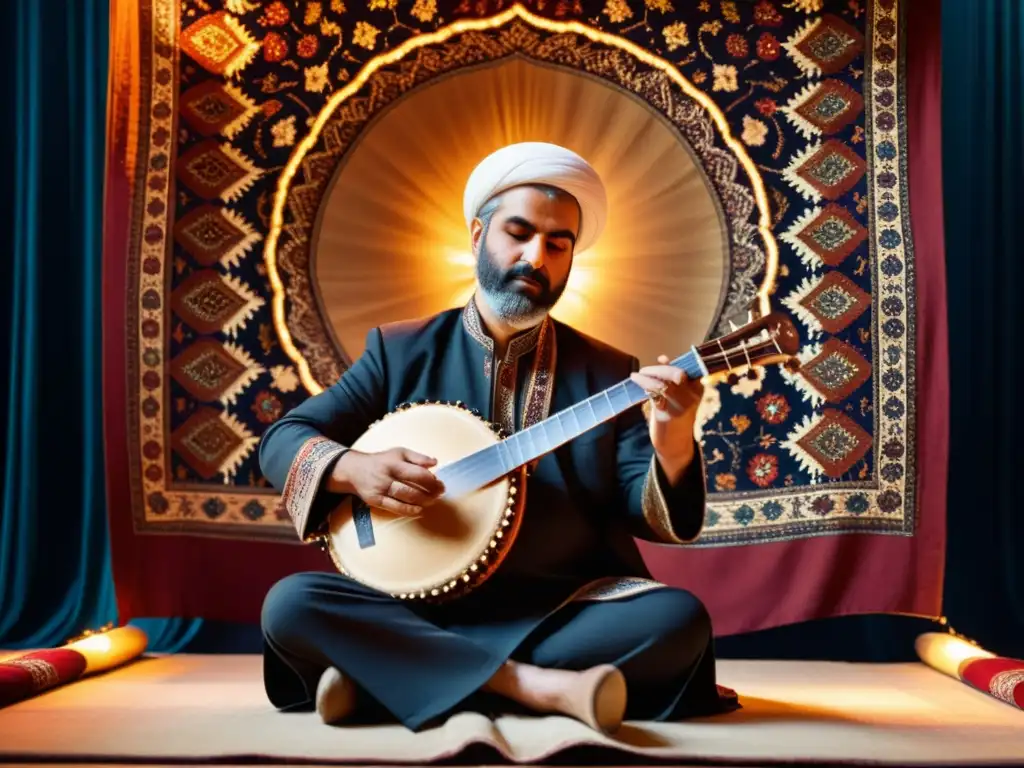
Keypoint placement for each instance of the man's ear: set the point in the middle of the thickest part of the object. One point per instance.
(476, 231)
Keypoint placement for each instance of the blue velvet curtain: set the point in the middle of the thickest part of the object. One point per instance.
(55, 579)
(54, 555)
(983, 166)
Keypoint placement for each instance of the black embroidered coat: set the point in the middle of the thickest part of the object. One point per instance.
(586, 501)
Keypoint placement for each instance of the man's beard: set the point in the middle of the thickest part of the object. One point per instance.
(507, 299)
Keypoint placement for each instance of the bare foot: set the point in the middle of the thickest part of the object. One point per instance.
(335, 696)
(595, 696)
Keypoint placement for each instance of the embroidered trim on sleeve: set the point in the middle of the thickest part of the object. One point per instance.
(314, 458)
(655, 508)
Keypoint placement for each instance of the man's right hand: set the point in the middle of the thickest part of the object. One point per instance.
(397, 480)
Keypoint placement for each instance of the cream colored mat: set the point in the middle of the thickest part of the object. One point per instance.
(213, 708)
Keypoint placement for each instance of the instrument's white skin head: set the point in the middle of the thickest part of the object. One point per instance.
(524, 240)
(413, 554)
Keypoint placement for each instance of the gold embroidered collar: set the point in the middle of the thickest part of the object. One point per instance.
(519, 346)
(540, 384)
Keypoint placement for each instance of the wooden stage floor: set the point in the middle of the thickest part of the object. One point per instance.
(199, 710)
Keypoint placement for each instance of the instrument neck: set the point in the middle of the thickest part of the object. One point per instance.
(491, 463)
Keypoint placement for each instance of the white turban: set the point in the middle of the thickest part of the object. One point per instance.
(540, 163)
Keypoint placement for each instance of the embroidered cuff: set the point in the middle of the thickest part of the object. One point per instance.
(314, 459)
(658, 512)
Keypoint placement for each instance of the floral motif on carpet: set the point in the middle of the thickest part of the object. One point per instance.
(808, 91)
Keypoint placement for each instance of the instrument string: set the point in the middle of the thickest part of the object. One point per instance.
(482, 464)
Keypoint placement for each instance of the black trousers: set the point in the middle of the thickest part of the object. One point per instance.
(417, 668)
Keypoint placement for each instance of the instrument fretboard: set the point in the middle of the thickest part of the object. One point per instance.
(485, 466)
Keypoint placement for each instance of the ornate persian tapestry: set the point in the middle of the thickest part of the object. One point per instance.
(796, 113)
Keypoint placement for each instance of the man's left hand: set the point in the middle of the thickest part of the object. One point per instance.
(674, 399)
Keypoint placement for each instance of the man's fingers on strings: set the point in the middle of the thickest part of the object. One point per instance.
(417, 458)
(663, 394)
(408, 494)
(389, 504)
(419, 477)
(652, 384)
(664, 372)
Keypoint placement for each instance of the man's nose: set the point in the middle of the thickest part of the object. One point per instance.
(535, 252)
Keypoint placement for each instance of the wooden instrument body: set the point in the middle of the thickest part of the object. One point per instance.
(454, 545)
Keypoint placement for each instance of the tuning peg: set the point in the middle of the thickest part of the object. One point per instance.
(793, 365)
(751, 374)
(732, 379)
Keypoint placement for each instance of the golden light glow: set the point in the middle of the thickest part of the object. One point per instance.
(584, 283)
(391, 242)
(947, 652)
(108, 649)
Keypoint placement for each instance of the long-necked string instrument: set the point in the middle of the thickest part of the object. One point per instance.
(462, 539)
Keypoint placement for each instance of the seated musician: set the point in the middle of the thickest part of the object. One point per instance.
(571, 621)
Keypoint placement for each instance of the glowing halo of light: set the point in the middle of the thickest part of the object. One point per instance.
(389, 241)
(440, 35)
